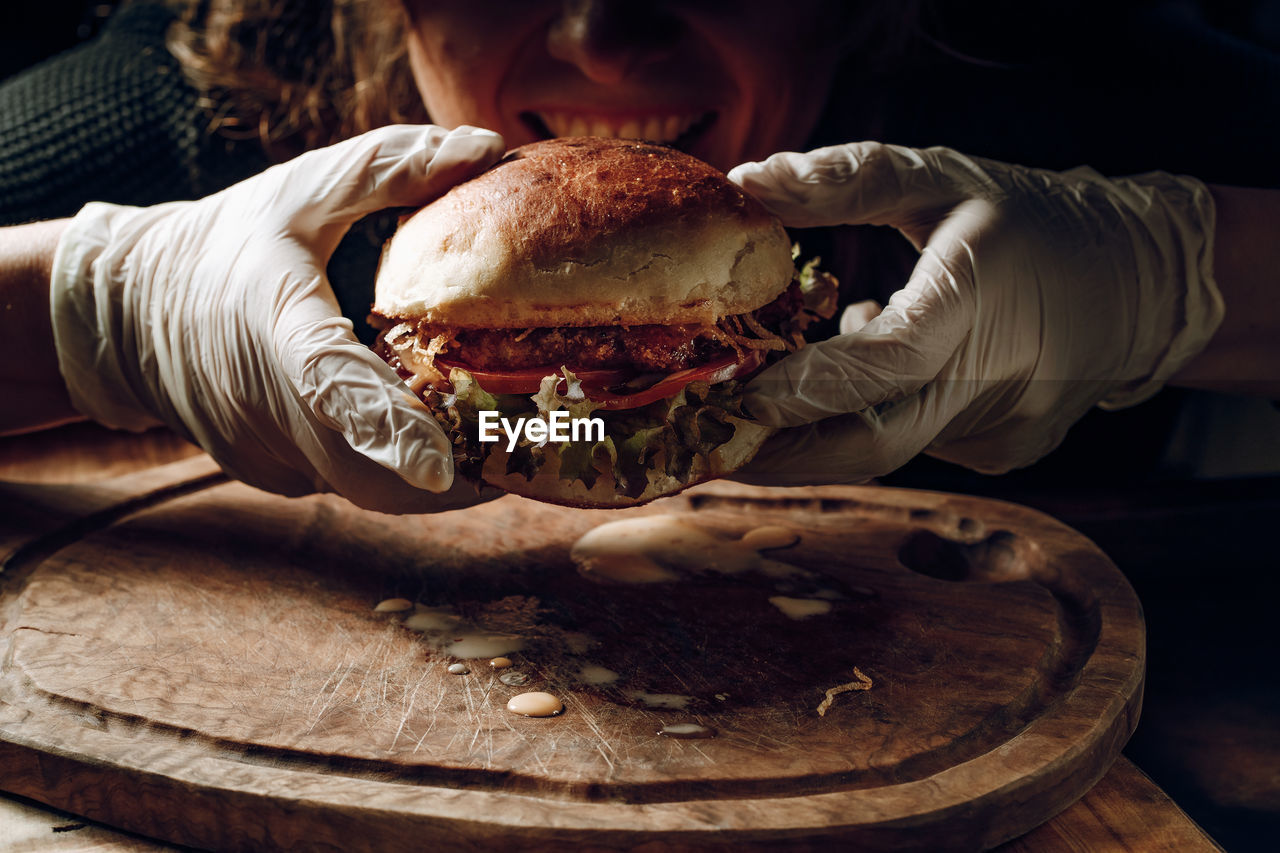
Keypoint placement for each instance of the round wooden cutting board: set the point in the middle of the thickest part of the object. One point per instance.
(202, 663)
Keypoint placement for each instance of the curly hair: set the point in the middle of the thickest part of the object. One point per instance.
(297, 74)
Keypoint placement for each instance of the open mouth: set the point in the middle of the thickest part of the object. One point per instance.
(675, 129)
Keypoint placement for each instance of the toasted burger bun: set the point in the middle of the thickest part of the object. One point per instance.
(548, 486)
(585, 232)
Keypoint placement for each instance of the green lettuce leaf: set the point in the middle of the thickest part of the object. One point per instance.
(587, 460)
(572, 399)
(672, 434)
(525, 459)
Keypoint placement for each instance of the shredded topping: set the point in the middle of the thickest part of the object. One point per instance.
(769, 339)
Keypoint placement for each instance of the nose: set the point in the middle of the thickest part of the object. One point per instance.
(608, 39)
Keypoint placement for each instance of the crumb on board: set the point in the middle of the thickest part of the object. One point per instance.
(862, 683)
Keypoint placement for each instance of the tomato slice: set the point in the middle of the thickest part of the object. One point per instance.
(720, 370)
(527, 380)
(597, 381)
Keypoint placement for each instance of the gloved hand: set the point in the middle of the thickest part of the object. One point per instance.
(215, 317)
(1037, 295)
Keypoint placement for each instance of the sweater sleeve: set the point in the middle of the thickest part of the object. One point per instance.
(115, 120)
(112, 120)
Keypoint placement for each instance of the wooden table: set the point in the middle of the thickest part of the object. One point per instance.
(1227, 740)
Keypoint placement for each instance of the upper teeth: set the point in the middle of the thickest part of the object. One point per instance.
(656, 128)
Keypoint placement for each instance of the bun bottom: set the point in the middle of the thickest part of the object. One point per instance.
(547, 485)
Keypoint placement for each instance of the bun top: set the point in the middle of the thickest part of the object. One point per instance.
(585, 231)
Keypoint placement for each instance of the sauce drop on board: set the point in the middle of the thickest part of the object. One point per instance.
(456, 638)
(669, 701)
(393, 605)
(800, 608)
(482, 644)
(687, 731)
(595, 674)
(658, 548)
(432, 619)
(769, 537)
(535, 704)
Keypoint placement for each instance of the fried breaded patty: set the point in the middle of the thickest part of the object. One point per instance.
(660, 349)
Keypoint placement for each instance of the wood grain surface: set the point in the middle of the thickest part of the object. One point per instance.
(205, 667)
(1124, 813)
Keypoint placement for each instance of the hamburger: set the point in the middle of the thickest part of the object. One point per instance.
(617, 283)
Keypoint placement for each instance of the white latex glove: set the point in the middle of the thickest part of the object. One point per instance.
(1037, 295)
(215, 317)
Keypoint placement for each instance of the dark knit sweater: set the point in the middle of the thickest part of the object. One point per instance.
(115, 120)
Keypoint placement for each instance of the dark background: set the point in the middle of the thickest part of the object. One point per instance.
(32, 30)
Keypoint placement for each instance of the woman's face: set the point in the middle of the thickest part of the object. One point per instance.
(725, 80)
